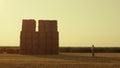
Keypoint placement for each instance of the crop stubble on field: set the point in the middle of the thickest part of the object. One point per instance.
(64, 60)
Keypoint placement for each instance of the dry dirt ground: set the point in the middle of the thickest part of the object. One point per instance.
(63, 60)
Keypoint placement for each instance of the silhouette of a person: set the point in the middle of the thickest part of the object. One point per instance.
(93, 50)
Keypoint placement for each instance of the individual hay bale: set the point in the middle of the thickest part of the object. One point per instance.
(28, 25)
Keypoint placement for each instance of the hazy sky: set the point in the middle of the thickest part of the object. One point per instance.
(81, 22)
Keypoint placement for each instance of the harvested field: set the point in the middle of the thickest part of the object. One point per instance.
(63, 60)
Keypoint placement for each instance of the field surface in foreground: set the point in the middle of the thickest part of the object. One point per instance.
(63, 60)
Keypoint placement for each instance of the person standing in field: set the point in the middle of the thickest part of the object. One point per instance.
(93, 50)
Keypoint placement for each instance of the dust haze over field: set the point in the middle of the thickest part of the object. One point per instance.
(81, 22)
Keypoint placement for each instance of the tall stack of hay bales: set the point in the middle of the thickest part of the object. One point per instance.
(48, 28)
(43, 42)
(28, 28)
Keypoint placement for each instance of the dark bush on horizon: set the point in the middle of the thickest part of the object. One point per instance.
(15, 50)
(88, 49)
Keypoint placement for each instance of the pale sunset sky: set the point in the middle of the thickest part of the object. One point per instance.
(81, 23)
